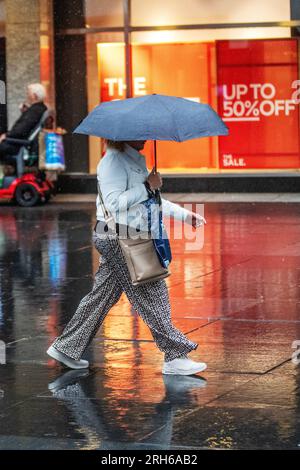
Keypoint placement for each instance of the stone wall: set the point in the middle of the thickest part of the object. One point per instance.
(28, 27)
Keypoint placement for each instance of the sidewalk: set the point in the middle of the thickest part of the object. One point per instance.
(237, 297)
(198, 197)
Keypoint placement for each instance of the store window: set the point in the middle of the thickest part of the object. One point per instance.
(257, 83)
(103, 13)
(96, 75)
(244, 73)
(173, 12)
(186, 70)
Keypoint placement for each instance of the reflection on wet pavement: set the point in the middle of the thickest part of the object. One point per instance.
(238, 297)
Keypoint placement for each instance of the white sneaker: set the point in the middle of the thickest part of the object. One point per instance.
(66, 360)
(183, 366)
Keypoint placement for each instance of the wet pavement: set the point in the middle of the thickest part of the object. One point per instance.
(238, 297)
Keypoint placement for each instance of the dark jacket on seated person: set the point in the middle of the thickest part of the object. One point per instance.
(21, 129)
(25, 124)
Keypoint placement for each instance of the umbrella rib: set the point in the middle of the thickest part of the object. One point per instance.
(173, 119)
(135, 106)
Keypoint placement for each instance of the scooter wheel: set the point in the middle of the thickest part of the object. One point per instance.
(26, 195)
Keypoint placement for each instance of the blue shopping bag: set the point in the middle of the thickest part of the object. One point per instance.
(158, 230)
(54, 151)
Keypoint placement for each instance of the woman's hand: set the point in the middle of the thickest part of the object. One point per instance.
(194, 219)
(154, 179)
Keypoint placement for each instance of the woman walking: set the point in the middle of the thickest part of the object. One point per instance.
(125, 183)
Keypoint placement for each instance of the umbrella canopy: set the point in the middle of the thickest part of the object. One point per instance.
(152, 117)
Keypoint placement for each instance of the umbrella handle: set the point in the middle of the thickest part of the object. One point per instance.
(155, 157)
(157, 191)
(158, 197)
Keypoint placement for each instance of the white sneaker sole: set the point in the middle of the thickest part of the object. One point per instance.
(67, 378)
(174, 371)
(68, 362)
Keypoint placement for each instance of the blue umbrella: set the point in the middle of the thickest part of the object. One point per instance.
(152, 117)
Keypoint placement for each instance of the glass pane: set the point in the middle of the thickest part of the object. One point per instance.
(172, 12)
(250, 83)
(101, 72)
(192, 67)
(104, 13)
(209, 34)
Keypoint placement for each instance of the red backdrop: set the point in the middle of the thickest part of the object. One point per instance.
(255, 99)
(249, 82)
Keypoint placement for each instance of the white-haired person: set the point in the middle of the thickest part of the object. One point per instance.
(31, 112)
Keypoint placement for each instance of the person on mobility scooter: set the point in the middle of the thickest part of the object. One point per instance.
(23, 182)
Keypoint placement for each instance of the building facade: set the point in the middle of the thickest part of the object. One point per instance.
(240, 56)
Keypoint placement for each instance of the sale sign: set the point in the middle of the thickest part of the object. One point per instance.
(256, 99)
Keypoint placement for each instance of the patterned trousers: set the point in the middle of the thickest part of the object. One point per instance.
(150, 300)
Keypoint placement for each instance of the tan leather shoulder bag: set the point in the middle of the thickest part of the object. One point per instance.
(139, 252)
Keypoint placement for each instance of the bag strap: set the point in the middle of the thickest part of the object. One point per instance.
(107, 214)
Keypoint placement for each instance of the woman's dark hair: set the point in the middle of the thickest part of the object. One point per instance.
(118, 145)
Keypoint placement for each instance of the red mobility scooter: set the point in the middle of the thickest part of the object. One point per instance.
(29, 186)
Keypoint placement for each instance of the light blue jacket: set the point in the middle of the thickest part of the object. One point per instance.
(121, 176)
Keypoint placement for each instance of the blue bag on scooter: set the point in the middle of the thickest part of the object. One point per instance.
(51, 151)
